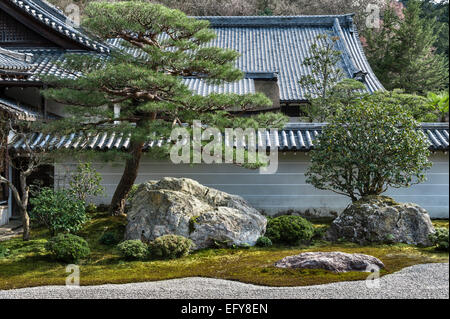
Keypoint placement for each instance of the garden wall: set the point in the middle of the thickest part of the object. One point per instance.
(280, 192)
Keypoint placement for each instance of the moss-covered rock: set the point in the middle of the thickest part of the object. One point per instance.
(182, 206)
(380, 219)
(379, 200)
(335, 261)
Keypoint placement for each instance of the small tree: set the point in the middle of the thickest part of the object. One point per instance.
(325, 74)
(85, 182)
(366, 148)
(58, 210)
(26, 163)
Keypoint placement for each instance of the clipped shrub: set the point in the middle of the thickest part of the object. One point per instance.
(133, 249)
(339, 149)
(170, 247)
(440, 239)
(109, 239)
(4, 252)
(319, 232)
(289, 229)
(68, 247)
(263, 241)
(58, 210)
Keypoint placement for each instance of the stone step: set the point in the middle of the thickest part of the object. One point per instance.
(13, 228)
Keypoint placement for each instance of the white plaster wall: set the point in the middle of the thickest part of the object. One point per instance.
(285, 190)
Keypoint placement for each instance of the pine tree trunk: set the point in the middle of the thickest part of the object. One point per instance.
(130, 172)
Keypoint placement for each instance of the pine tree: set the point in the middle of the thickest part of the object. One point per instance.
(402, 55)
(160, 47)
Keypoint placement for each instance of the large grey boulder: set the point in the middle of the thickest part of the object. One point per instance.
(333, 261)
(377, 219)
(184, 207)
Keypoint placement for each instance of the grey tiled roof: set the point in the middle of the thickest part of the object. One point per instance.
(200, 87)
(297, 137)
(49, 15)
(44, 62)
(8, 63)
(14, 65)
(280, 44)
(13, 60)
(20, 111)
(266, 44)
(300, 136)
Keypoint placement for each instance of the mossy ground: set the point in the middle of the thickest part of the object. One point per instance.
(440, 223)
(29, 265)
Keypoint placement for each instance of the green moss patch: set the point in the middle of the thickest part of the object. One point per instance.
(376, 199)
(440, 223)
(192, 223)
(28, 264)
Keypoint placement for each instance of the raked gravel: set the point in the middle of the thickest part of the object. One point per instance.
(419, 281)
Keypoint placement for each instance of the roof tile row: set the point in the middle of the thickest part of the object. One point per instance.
(300, 137)
(22, 112)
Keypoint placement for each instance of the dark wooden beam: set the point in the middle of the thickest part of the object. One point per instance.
(21, 83)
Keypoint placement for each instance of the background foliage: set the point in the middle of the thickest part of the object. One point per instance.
(402, 51)
(259, 7)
